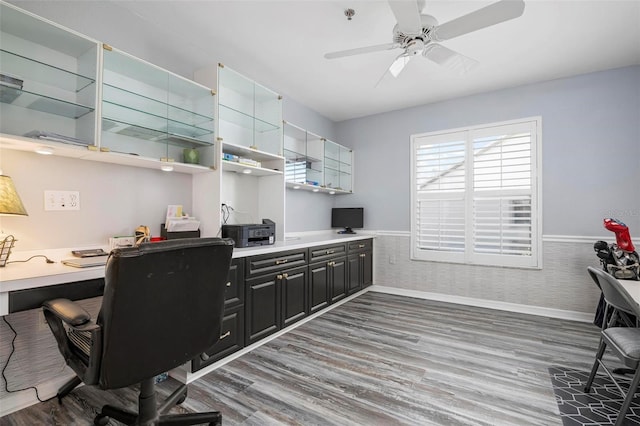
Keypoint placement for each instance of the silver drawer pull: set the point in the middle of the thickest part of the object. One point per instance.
(227, 334)
(330, 251)
(361, 246)
(229, 284)
(281, 261)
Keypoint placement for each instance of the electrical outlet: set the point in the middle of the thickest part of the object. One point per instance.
(61, 200)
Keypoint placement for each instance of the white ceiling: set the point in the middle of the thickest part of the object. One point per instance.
(281, 45)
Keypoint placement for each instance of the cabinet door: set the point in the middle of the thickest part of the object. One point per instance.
(49, 81)
(262, 306)
(231, 339)
(319, 290)
(355, 276)
(367, 269)
(153, 113)
(294, 295)
(338, 279)
(234, 293)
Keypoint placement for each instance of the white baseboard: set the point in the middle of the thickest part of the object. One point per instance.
(491, 304)
(13, 402)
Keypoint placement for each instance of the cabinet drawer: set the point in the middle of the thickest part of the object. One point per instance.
(273, 262)
(361, 245)
(327, 252)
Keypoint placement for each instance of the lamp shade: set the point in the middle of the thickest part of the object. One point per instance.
(10, 202)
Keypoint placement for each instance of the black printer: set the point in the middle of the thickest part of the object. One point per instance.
(251, 235)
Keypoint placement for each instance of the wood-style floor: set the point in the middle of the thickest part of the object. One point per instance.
(378, 360)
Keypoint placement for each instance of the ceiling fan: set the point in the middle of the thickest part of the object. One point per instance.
(417, 34)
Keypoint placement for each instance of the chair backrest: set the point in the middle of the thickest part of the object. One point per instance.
(614, 294)
(593, 275)
(163, 305)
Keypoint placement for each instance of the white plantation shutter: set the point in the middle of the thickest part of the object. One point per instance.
(475, 195)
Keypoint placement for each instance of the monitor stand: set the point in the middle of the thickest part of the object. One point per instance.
(347, 231)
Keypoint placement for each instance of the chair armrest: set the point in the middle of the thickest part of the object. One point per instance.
(57, 313)
(69, 312)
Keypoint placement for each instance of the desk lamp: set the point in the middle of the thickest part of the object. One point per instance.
(10, 205)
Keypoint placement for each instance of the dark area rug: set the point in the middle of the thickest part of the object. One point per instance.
(599, 407)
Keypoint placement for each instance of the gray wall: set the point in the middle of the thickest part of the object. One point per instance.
(590, 145)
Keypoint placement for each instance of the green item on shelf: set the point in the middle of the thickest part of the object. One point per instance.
(191, 156)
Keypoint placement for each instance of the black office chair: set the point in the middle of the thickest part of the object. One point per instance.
(623, 341)
(162, 306)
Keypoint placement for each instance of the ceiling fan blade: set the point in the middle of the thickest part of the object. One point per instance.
(495, 13)
(448, 58)
(360, 50)
(396, 67)
(407, 15)
(398, 64)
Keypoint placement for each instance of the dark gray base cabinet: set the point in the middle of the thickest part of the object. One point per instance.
(274, 302)
(360, 265)
(232, 333)
(232, 339)
(327, 283)
(269, 292)
(328, 275)
(278, 298)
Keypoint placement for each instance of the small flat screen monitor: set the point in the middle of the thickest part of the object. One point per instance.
(347, 218)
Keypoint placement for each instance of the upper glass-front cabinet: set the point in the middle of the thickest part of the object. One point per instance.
(48, 80)
(150, 112)
(337, 167)
(250, 115)
(303, 152)
(316, 164)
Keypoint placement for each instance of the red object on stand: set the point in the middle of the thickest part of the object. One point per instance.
(623, 239)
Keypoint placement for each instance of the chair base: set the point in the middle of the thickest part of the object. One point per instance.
(212, 418)
(149, 413)
(67, 388)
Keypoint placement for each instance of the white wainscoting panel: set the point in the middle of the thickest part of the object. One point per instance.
(562, 284)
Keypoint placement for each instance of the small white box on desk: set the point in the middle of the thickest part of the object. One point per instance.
(119, 242)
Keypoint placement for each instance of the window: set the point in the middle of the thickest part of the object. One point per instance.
(475, 195)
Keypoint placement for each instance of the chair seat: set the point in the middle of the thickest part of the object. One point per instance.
(626, 342)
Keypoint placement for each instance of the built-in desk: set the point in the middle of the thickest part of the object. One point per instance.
(26, 285)
(38, 279)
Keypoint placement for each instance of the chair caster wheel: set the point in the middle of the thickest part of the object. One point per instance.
(182, 398)
(101, 420)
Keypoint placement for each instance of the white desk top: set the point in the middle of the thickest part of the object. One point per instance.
(633, 288)
(38, 273)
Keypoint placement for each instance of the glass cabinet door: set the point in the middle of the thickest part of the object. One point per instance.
(315, 155)
(303, 154)
(346, 178)
(47, 80)
(295, 154)
(149, 112)
(250, 115)
(337, 167)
